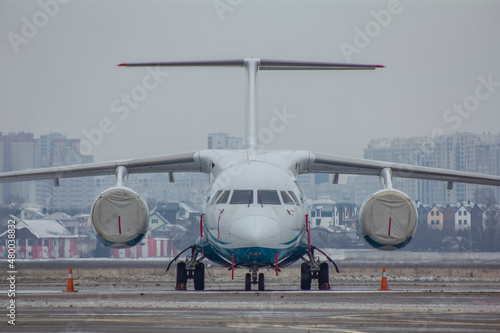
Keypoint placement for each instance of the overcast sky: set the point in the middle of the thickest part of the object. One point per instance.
(58, 71)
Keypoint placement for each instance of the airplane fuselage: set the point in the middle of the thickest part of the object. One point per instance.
(254, 213)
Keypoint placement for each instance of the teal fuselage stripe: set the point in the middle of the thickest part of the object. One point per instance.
(251, 256)
(215, 239)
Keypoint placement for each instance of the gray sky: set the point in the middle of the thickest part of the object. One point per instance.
(62, 75)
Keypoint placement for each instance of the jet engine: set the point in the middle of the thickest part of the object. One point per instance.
(120, 217)
(388, 219)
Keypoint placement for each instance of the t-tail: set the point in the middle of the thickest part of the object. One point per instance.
(252, 66)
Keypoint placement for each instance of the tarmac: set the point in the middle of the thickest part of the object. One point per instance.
(354, 304)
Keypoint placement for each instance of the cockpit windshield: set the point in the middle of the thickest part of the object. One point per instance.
(268, 197)
(223, 198)
(286, 198)
(294, 197)
(216, 195)
(246, 197)
(242, 197)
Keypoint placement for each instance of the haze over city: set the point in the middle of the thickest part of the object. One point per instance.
(257, 229)
(59, 72)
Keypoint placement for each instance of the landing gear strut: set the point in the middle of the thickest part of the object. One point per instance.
(253, 278)
(314, 269)
(191, 269)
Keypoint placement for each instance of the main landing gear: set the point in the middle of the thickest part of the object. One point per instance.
(191, 269)
(251, 278)
(314, 269)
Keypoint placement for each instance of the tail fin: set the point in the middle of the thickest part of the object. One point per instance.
(252, 66)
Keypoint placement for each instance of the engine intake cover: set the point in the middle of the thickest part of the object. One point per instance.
(388, 218)
(120, 217)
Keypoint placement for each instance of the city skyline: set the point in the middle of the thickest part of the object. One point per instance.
(460, 151)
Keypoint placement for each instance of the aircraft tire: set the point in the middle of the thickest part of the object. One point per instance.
(199, 276)
(305, 276)
(248, 282)
(323, 277)
(181, 277)
(261, 282)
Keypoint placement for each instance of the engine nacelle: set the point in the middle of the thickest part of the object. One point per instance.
(120, 217)
(388, 219)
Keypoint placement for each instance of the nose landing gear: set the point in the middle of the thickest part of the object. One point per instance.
(315, 269)
(253, 278)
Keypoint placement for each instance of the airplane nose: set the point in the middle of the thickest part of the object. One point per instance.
(255, 231)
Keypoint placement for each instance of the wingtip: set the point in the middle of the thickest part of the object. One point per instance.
(122, 65)
(380, 66)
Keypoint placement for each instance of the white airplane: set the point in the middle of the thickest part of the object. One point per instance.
(255, 215)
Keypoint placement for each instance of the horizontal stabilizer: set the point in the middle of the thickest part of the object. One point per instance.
(263, 64)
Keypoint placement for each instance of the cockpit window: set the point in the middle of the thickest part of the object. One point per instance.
(242, 197)
(223, 198)
(286, 198)
(268, 197)
(294, 198)
(216, 195)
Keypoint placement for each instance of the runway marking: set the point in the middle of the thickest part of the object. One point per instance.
(313, 327)
(323, 328)
(376, 319)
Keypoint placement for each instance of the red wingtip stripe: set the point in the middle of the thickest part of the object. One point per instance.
(122, 64)
(380, 66)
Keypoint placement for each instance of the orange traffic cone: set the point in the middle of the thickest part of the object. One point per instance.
(383, 283)
(70, 287)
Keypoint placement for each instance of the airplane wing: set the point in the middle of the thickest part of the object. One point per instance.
(334, 164)
(183, 162)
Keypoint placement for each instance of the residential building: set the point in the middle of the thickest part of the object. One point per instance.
(156, 220)
(459, 151)
(16, 153)
(20, 151)
(348, 215)
(477, 217)
(55, 149)
(449, 220)
(47, 239)
(435, 217)
(324, 213)
(148, 247)
(224, 141)
(463, 217)
(327, 213)
(422, 212)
